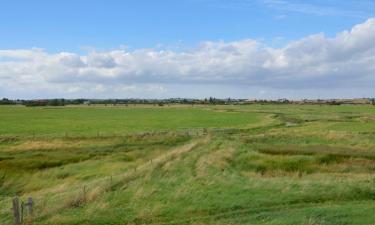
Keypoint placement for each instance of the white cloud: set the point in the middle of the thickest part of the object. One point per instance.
(73, 89)
(314, 62)
(99, 88)
(129, 88)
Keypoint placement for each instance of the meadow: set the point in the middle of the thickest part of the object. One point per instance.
(224, 164)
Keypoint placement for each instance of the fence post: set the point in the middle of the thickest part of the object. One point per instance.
(16, 211)
(30, 204)
(22, 211)
(84, 193)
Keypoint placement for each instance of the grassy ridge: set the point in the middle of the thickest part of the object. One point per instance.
(283, 164)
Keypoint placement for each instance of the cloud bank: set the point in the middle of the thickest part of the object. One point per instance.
(316, 63)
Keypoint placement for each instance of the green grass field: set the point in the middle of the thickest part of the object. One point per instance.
(256, 164)
(86, 121)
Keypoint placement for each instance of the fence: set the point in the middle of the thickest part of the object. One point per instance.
(21, 210)
(100, 134)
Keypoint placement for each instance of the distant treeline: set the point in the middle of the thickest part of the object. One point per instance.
(162, 102)
(46, 102)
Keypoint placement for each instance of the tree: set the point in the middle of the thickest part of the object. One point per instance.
(6, 101)
(56, 102)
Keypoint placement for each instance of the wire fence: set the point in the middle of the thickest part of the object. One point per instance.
(104, 134)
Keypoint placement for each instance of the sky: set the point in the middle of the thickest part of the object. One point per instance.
(264, 49)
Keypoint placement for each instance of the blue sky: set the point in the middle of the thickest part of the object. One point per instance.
(75, 25)
(165, 48)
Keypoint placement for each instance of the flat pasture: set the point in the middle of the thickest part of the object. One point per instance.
(253, 164)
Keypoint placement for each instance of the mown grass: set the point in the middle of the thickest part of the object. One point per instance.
(268, 164)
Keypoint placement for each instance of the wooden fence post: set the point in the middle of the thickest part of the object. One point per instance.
(29, 205)
(84, 194)
(22, 211)
(16, 211)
